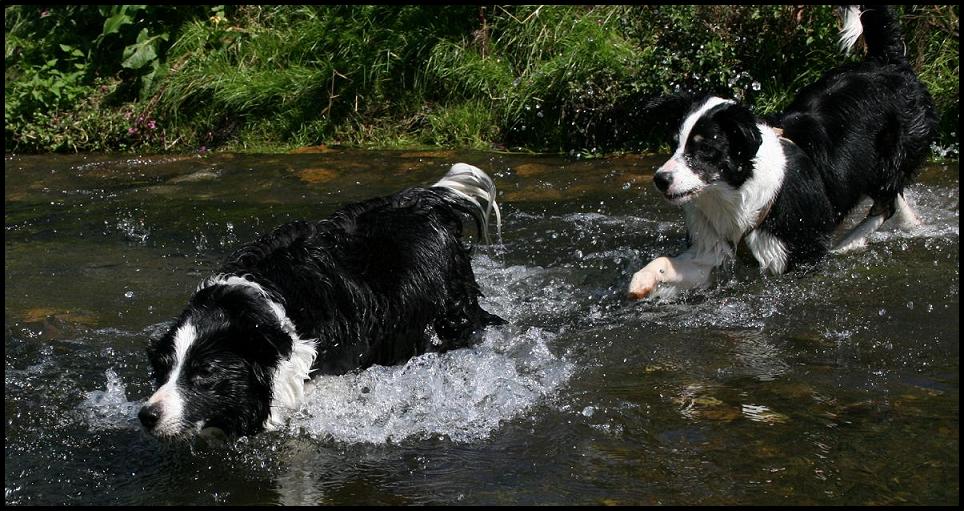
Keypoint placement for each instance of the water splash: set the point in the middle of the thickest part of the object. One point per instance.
(133, 228)
(464, 394)
(109, 408)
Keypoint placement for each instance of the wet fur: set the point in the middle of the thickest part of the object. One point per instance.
(863, 129)
(377, 282)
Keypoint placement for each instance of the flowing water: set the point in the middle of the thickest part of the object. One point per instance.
(835, 385)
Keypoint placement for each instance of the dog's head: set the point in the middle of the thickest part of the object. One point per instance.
(214, 367)
(715, 144)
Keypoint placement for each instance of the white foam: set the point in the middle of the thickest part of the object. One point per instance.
(109, 408)
(463, 395)
(936, 208)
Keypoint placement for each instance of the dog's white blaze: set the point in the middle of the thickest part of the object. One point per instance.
(168, 398)
(852, 28)
(684, 179)
(687, 126)
(288, 380)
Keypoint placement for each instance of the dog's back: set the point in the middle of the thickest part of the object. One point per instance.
(375, 279)
(867, 125)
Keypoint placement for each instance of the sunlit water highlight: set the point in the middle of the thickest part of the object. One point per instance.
(757, 390)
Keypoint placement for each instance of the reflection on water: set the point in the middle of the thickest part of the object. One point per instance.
(834, 385)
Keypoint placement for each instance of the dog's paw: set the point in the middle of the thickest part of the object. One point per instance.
(849, 246)
(643, 284)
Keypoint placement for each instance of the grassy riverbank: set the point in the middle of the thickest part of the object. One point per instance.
(548, 79)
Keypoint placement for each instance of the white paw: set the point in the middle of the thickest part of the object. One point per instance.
(852, 246)
(644, 282)
(661, 278)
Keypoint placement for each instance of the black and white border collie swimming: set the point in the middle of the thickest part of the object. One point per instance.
(368, 285)
(862, 130)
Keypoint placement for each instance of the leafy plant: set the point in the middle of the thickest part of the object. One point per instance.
(560, 78)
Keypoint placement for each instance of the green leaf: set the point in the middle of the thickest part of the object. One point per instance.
(137, 56)
(147, 83)
(71, 50)
(141, 53)
(115, 22)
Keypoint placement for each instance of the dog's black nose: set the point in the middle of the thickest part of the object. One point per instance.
(149, 416)
(663, 180)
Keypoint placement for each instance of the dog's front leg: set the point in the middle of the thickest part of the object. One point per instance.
(665, 275)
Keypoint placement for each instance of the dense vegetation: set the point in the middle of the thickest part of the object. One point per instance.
(549, 78)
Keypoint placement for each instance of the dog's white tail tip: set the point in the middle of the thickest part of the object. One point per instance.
(471, 183)
(852, 28)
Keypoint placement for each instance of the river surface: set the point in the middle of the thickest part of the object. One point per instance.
(837, 385)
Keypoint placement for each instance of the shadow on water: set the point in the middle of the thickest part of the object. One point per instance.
(835, 385)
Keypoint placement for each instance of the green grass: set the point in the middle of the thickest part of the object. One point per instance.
(540, 78)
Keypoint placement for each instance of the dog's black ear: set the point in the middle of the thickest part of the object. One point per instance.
(660, 117)
(156, 334)
(739, 124)
(668, 110)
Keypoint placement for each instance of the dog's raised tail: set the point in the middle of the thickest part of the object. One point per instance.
(474, 185)
(878, 24)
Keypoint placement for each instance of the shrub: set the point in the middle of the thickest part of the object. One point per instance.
(545, 78)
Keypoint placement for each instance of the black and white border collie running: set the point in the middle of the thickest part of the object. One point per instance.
(862, 130)
(368, 285)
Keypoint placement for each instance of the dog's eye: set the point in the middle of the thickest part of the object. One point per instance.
(161, 365)
(203, 374)
(706, 150)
